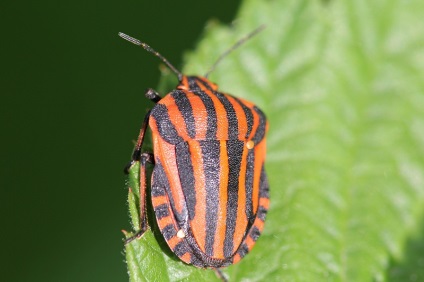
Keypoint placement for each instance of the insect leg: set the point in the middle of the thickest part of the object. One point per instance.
(137, 150)
(220, 275)
(144, 159)
(152, 95)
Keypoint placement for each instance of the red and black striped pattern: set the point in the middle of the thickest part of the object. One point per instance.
(209, 186)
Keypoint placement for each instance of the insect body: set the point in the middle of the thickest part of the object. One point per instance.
(209, 191)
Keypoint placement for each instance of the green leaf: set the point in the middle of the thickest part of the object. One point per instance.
(341, 83)
(134, 195)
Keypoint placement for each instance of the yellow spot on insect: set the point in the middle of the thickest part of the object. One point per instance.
(250, 144)
(180, 234)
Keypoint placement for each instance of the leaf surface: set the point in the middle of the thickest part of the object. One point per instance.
(341, 84)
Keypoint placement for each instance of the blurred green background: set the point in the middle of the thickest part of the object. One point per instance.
(71, 103)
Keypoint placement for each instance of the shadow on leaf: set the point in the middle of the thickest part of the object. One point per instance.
(411, 266)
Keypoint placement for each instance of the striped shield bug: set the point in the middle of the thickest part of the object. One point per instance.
(209, 189)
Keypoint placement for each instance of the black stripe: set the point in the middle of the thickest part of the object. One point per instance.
(210, 108)
(180, 249)
(235, 152)
(249, 116)
(262, 213)
(204, 83)
(186, 175)
(192, 83)
(160, 182)
(263, 185)
(255, 233)
(250, 168)
(211, 114)
(231, 116)
(211, 167)
(162, 211)
(169, 231)
(194, 260)
(158, 191)
(260, 131)
(229, 109)
(186, 110)
(243, 250)
(166, 129)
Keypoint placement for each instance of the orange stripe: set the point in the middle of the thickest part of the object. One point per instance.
(264, 202)
(241, 220)
(241, 118)
(259, 161)
(199, 114)
(236, 258)
(177, 120)
(183, 84)
(255, 125)
(160, 200)
(173, 242)
(164, 221)
(222, 206)
(249, 242)
(259, 224)
(198, 224)
(165, 152)
(221, 115)
(186, 258)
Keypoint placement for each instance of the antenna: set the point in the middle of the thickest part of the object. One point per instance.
(235, 46)
(151, 50)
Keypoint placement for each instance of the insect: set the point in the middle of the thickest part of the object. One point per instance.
(209, 189)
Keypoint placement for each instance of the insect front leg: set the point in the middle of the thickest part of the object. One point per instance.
(154, 97)
(136, 156)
